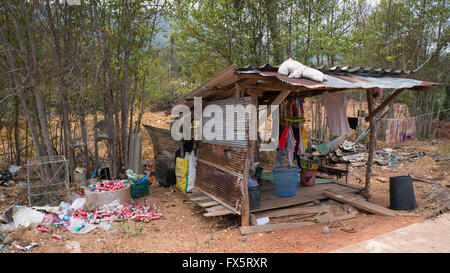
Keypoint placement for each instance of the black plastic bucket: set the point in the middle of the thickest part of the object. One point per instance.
(401, 193)
(253, 196)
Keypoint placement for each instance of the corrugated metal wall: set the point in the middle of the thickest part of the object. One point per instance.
(229, 126)
(219, 176)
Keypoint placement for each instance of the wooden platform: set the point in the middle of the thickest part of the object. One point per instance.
(270, 201)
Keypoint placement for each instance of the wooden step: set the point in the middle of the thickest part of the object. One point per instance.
(208, 204)
(358, 203)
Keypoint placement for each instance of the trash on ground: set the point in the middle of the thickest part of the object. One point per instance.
(348, 229)
(262, 221)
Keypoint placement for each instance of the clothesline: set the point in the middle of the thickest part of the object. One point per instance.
(416, 116)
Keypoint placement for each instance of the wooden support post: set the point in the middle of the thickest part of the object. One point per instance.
(238, 90)
(372, 142)
(245, 214)
(384, 103)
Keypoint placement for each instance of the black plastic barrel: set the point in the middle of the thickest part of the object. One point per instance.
(253, 196)
(402, 193)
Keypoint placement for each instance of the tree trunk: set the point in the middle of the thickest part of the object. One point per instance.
(372, 144)
(16, 131)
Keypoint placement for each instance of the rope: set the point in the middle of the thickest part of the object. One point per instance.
(416, 116)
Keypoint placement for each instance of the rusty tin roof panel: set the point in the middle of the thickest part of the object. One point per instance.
(345, 81)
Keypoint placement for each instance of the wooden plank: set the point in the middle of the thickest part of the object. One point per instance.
(272, 227)
(201, 198)
(220, 202)
(215, 208)
(207, 204)
(269, 200)
(195, 194)
(293, 211)
(222, 212)
(280, 98)
(361, 204)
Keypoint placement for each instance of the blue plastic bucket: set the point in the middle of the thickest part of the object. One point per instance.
(286, 180)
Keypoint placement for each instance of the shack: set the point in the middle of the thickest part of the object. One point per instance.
(222, 172)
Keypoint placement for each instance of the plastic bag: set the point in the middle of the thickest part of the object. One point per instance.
(78, 203)
(134, 177)
(24, 216)
(79, 226)
(181, 173)
(191, 171)
(49, 219)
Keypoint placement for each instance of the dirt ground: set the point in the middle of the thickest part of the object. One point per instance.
(183, 228)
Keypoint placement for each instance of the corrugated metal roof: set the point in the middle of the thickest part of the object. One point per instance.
(337, 78)
(343, 70)
(346, 81)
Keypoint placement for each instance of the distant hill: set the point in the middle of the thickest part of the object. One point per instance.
(165, 30)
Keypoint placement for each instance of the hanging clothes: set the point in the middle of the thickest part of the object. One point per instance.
(290, 146)
(400, 130)
(283, 138)
(336, 109)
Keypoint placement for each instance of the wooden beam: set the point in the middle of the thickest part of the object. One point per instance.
(245, 214)
(238, 90)
(255, 92)
(280, 98)
(221, 212)
(359, 203)
(208, 204)
(200, 198)
(384, 103)
(293, 211)
(271, 227)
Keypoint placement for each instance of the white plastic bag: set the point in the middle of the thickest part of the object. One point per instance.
(24, 216)
(191, 170)
(83, 226)
(288, 66)
(78, 204)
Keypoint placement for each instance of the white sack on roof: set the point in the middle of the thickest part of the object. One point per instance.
(288, 66)
(313, 74)
(294, 69)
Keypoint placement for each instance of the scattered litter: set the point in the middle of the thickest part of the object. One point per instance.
(5, 176)
(78, 203)
(107, 185)
(79, 226)
(28, 247)
(14, 169)
(47, 209)
(43, 229)
(24, 216)
(56, 236)
(262, 221)
(382, 179)
(325, 230)
(348, 229)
